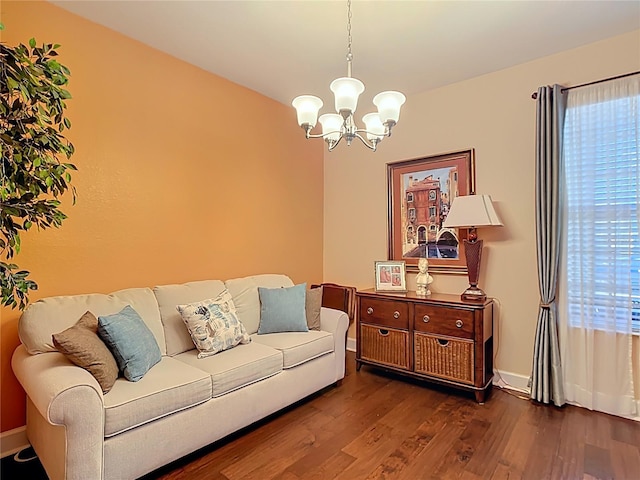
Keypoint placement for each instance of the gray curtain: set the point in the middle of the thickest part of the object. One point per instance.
(546, 376)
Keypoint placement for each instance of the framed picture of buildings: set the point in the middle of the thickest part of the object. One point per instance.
(420, 193)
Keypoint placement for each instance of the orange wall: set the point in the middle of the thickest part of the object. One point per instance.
(182, 176)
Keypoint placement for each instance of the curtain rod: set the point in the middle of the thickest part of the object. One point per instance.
(534, 95)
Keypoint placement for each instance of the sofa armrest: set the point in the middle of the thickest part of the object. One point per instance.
(47, 376)
(337, 323)
(65, 394)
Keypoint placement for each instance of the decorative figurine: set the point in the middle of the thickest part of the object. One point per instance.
(423, 279)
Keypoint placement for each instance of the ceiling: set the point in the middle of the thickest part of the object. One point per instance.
(287, 48)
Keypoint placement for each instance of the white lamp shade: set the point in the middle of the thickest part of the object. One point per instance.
(346, 90)
(472, 211)
(375, 128)
(331, 124)
(389, 104)
(307, 107)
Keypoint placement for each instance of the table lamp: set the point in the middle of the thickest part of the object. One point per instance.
(472, 211)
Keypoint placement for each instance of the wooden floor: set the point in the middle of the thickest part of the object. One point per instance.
(379, 426)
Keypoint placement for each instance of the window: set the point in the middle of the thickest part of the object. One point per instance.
(602, 172)
(432, 195)
(412, 214)
(432, 211)
(409, 197)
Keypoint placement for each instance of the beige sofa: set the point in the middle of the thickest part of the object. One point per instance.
(183, 403)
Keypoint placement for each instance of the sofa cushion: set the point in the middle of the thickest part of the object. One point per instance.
(177, 336)
(298, 347)
(282, 309)
(82, 346)
(51, 315)
(213, 324)
(167, 388)
(245, 296)
(131, 342)
(238, 367)
(312, 306)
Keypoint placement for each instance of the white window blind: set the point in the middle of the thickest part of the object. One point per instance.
(602, 172)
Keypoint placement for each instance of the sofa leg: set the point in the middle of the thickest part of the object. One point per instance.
(339, 383)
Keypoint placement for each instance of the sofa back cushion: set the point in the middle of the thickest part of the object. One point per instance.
(169, 297)
(245, 296)
(42, 319)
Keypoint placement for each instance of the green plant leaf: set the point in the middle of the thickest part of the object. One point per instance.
(33, 150)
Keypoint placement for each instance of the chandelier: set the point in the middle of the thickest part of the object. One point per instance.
(336, 126)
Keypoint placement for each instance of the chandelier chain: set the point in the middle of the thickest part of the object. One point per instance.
(349, 54)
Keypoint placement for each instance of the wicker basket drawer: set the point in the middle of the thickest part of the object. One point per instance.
(445, 357)
(386, 346)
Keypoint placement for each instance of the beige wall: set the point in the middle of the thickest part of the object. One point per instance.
(495, 115)
(173, 185)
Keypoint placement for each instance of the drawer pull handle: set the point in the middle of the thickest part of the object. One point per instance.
(384, 333)
(426, 319)
(369, 310)
(459, 323)
(443, 343)
(396, 314)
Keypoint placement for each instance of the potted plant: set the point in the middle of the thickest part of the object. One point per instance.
(35, 171)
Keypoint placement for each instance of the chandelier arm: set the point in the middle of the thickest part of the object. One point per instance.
(324, 135)
(386, 133)
(371, 147)
(334, 145)
(319, 135)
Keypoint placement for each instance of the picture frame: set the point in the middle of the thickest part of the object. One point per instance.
(391, 276)
(420, 192)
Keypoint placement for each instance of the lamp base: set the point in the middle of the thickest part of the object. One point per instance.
(473, 254)
(473, 294)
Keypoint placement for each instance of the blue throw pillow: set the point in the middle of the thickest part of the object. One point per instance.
(133, 345)
(283, 309)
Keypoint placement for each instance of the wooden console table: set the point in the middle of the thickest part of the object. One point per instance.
(438, 338)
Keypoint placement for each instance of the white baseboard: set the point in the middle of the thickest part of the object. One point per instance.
(351, 344)
(511, 381)
(12, 441)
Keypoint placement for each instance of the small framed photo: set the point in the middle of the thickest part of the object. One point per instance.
(391, 276)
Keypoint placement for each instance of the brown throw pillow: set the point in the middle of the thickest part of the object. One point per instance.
(312, 306)
(82, 345)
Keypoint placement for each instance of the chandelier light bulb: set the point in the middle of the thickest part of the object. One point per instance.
(331, 125)
(307, 108)
(346, 90)
(389, 104)
(374, 126)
